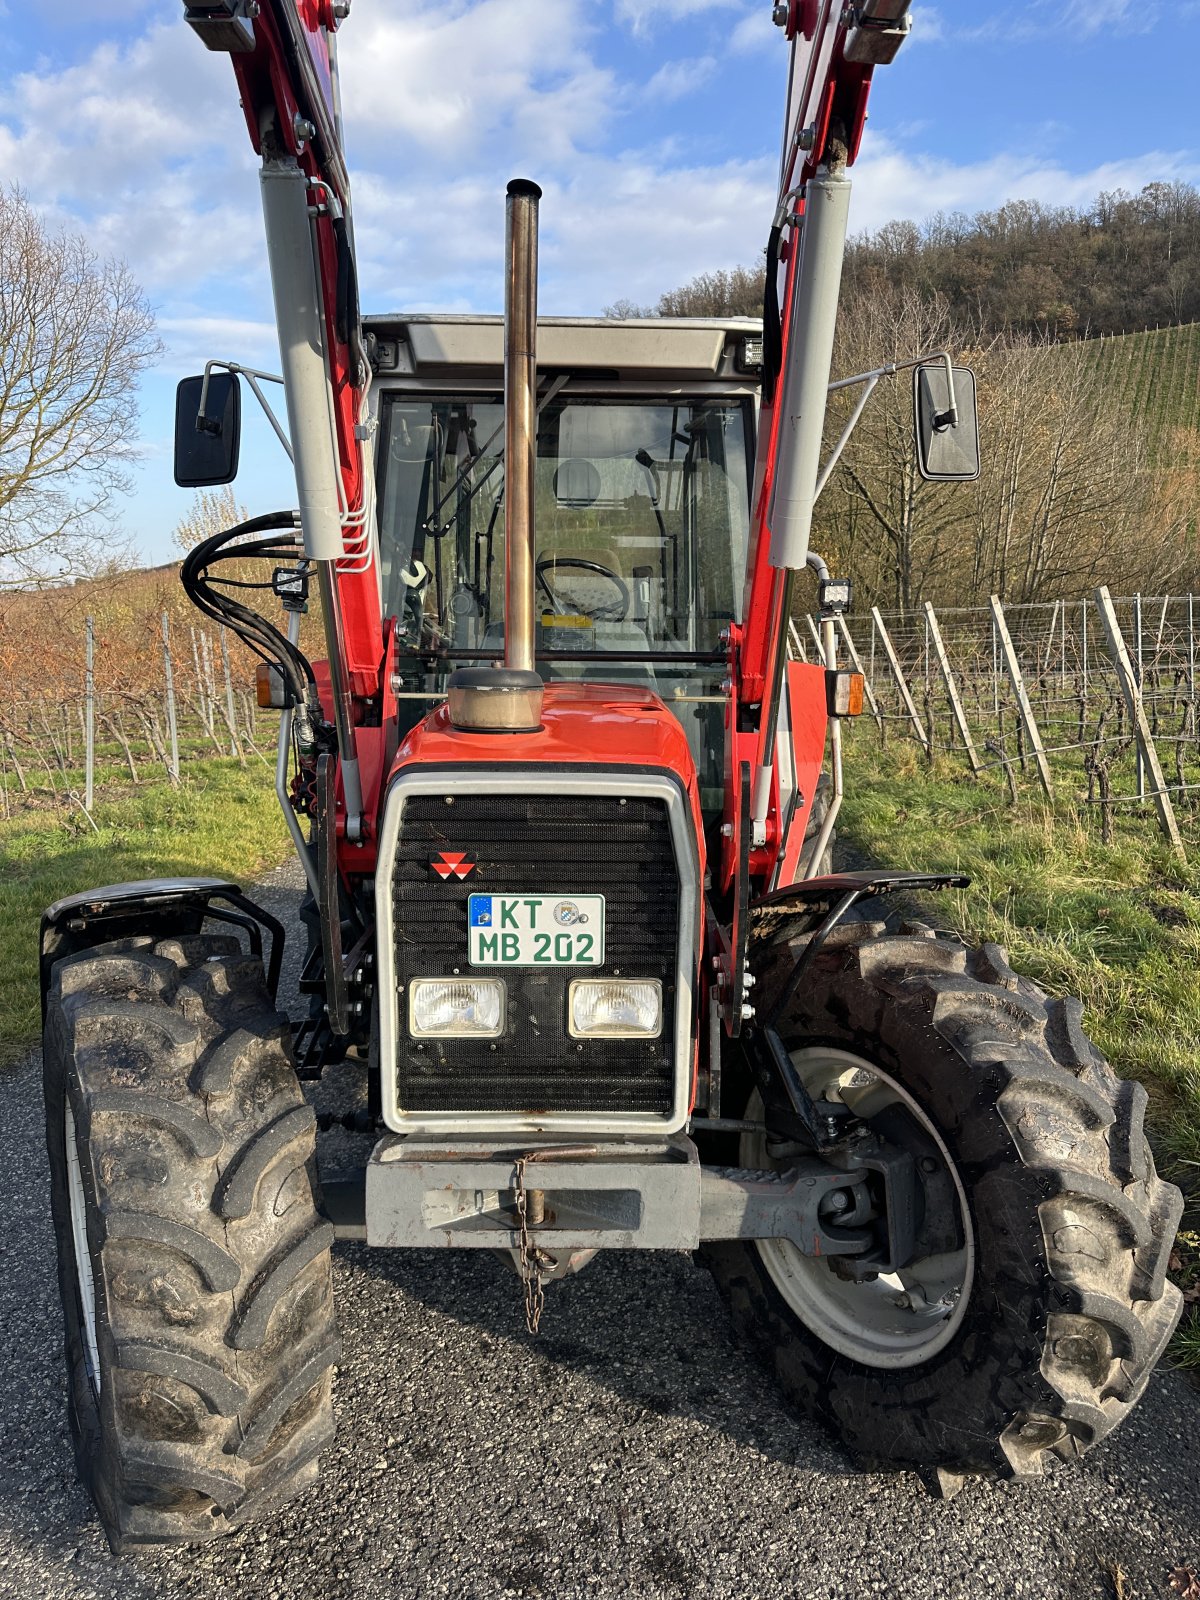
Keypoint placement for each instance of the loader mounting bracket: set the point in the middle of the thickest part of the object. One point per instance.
(158, 906)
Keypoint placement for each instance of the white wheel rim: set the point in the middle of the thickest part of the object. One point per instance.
(897, 1320)
(83, 1257)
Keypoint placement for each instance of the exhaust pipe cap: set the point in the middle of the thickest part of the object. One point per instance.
(495, 700)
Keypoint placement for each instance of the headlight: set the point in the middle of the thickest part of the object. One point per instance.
(615, 1008)
(456, 1008)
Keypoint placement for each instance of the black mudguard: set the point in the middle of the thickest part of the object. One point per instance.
(162, 907)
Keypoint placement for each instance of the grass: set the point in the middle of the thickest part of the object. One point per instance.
(223, 821)
(1118, 925)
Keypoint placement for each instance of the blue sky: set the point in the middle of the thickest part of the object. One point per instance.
(652, 125)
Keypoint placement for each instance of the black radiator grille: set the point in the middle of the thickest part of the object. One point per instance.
(537, 844)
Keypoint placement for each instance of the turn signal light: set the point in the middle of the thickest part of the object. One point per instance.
(268, 687)
(844, 693)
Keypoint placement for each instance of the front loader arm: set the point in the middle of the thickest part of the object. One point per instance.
(284, 57)
(834, 50)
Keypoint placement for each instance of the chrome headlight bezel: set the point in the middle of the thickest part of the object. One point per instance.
(579, 986)
(419, 986)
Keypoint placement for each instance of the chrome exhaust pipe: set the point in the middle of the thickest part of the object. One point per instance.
(508, 699)
(520, 417)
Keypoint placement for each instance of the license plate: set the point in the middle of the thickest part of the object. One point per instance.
(535, 930)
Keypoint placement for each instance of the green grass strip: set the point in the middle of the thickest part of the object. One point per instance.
(223, 821)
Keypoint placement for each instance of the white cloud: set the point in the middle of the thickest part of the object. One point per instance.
(643, 16)
(927, 26)
(755, 31)
(450, 78)
(1096, 16)
(676, 79)
(890, 184)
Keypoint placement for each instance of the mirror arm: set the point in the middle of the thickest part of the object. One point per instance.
(944, 419)
(205, 424)
(869, 380)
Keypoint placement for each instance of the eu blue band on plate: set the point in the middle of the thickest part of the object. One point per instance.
(479, 909)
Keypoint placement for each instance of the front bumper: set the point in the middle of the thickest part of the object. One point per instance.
(623, 1194)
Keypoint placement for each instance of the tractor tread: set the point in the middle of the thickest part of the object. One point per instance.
(223, 1394)
(198, 1153)
(307, 1373)
(240, 1181)
(264, 1296)
(193, 1131)
(1074, 1226)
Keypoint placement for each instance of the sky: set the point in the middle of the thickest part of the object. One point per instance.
(652, 126)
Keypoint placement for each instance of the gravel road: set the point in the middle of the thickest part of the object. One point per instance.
(632, 1450)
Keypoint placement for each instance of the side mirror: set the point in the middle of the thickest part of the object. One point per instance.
(206, 447)
(946, 452)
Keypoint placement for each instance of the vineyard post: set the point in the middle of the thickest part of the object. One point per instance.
(796, 642)
(933, 632)
(89, 759)
(889, 650)
(1013, 667)
(1050, 638)
(1192, 648)
(1062, 661)
(852, 652)
(203, 708)
(210, 685)
(1137, 647)
(1131, 691)
(1083, 634)
(172, 720)
(230, 713)
(816, 635)
(995, 672)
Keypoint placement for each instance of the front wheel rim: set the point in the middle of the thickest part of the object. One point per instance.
(85, 1282)
(898, 1319)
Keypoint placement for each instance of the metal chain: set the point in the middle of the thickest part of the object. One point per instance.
(531, 1272)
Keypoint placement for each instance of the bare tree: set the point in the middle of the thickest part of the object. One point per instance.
(213, 510)
(76, 333)
(887, 525)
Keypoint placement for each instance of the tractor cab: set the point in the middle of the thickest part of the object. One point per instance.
(645, 447)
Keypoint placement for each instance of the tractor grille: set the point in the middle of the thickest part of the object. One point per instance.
(538, 844)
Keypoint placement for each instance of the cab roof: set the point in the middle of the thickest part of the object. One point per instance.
(695, 347)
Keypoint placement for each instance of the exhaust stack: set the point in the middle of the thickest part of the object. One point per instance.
(508, 699)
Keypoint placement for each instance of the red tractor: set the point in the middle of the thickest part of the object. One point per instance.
(558, 795)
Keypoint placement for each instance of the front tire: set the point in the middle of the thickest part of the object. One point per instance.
(194, 1264)
(1057, 1307)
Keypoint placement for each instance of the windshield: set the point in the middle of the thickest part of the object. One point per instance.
(641, 512)
(640, 516)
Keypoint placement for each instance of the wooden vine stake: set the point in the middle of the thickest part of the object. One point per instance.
(898, 673)
(1013, 668)
(1137, 717)
(956, 705)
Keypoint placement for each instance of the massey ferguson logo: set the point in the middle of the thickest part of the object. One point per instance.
(452, 864)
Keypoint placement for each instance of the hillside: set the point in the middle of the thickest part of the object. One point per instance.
(1155, 377)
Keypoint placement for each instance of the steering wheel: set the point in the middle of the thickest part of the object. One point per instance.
(615, 611)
